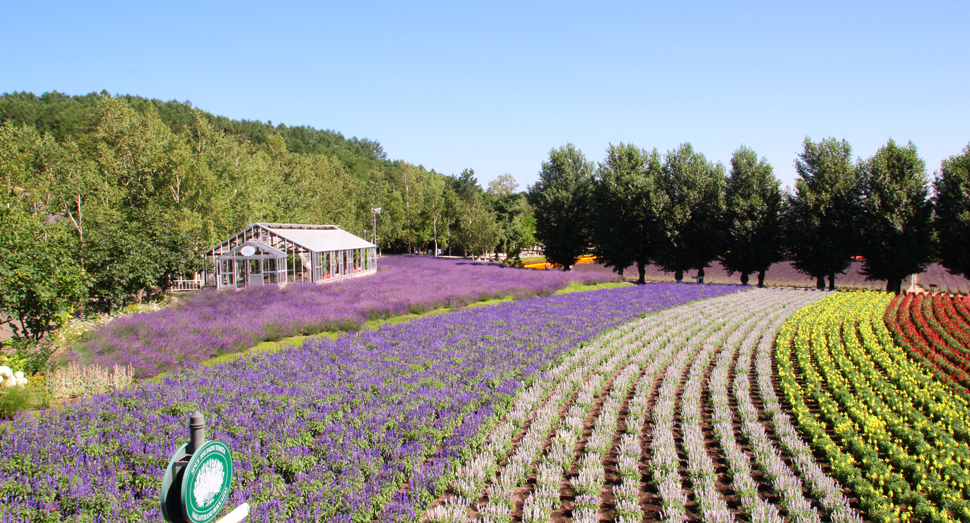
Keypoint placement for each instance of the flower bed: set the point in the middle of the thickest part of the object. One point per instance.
(891, 430)
(329, 431)
(211, 323)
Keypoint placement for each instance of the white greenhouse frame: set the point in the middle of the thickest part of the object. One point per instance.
(278, 253)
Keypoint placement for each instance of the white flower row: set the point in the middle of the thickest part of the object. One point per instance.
(665, 462)
(700, 466)
(766, 454)
(740, 342)
(536, 409)
(739, 462)
(589, 481)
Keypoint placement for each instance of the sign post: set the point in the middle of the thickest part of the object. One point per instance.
(198, 479)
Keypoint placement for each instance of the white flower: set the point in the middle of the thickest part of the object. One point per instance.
(6, 372)
(19, 374)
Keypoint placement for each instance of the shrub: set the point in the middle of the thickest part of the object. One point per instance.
(12, 401)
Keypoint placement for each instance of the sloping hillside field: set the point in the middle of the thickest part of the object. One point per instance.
(662, 402)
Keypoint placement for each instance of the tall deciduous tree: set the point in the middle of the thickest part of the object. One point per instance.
(561, 202)
(40, 281)
(753, 207)
(480, 230)
(822, 215)
(624, 224)
(897, 225)
(502, 186)
(952, 205)
(410, 182)
(434, 205)
(690, 214)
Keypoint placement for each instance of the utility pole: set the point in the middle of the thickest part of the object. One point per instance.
(376, 211)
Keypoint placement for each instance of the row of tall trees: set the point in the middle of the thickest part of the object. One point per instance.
(682, 211)
(115, 197)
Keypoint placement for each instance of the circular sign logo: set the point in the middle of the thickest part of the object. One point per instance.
(208, 478)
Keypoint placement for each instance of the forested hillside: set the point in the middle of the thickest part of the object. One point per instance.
(122, 193)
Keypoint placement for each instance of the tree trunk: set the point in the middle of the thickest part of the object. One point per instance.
(761, 278)
(641, 272)
(435, 225)
(679, 276)
(700, 275)
(832, 281)
(744, 278)
(894, 285)
(820, 283)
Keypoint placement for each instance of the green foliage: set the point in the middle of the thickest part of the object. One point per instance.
(625, 200)
(480, 231)
(63, 116)
(12, 401)
(39, 277)
(502, 186)
(140, 187)
(11, 360)
(126, 262)
(752, 216)
(30, 356)
(952, 220)
(514, 216)
(690, 212)
(561, 201)
(465, 184)
(822, 216)
(897, 216)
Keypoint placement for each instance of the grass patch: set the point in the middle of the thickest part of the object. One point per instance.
(581, 287)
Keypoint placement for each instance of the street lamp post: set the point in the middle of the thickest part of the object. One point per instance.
(377, 246)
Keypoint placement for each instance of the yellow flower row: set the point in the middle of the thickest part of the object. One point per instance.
(898, 437)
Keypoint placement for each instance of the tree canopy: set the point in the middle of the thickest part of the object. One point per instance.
(624, 217)
(897, 227)
(822, 215)
(753, 205)
(952, 220)
(690, 214)
(561, 199)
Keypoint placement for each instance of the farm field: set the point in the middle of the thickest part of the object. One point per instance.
(666, 418)
(331, 431)
(783, 274)
(212, 323)
(662, 402)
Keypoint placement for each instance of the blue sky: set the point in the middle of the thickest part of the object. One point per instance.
(495, 85)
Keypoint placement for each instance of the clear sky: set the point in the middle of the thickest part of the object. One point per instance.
(495, 85)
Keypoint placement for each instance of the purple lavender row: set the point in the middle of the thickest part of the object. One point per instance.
(370, 426)
(211, 323)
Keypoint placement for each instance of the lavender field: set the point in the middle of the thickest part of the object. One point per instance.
(212, 323)
(370, 426)
(783, 274)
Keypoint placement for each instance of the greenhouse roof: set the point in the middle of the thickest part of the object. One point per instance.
(318, 237)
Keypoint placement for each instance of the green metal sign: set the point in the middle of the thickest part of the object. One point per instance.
(207, 480)
(198, 479)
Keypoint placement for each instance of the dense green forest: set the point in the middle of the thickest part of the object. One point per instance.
(121, 194)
